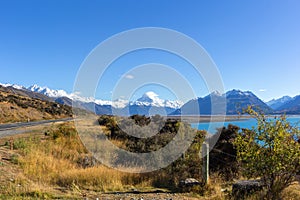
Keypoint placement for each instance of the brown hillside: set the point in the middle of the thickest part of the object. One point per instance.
(18, 108)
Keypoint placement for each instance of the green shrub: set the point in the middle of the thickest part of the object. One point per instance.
(20, 143)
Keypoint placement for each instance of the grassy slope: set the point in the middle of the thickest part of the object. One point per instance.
(17, 108)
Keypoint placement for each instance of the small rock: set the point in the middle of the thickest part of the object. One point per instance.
(189, 182)
(243, 188)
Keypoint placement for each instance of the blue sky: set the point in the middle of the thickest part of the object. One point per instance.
(255, 44)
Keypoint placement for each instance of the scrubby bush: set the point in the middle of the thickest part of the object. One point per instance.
(189, 165)
(270, 152)
(223, 160)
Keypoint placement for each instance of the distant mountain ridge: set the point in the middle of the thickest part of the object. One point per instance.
(148, 99)
(150, 103)
(238, 100)
(235, 101)
(291, 106)
(276, 103)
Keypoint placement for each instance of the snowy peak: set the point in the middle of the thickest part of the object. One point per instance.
(118, 103)
(19, 87)
(216, 93)
(276, 103)
(48, 92)
(149, 97)
(152, 99)
(234, 92)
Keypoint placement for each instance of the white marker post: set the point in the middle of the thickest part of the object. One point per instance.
(205, 160)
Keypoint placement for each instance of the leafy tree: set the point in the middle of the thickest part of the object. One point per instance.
(270, 152)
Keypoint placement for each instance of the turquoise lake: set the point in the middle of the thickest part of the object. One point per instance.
(248, 123)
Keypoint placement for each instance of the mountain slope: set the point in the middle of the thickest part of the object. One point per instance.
(203, 106)
(16, 106)
(22, 91)
(276, 103)
(238, 100)
(290, 107)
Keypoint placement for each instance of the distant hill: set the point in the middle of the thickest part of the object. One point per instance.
(203, 106)
(290, 107)
(276, 103)
(17, 105)
(64, 101)
(235, 100)
(238, 100)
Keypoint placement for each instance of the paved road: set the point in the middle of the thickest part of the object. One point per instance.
(9, 129)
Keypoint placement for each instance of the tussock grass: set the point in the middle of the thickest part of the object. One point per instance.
(56, 161)
(98, 178)
(292, 192)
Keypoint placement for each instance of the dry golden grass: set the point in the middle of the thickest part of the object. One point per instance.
(98, 178)
(292, 192)
(55, 162)
(12, 113)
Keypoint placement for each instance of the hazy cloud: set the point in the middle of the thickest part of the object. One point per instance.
(129, 76)
(262, 90)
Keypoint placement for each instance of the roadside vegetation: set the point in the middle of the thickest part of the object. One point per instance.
(55, 164)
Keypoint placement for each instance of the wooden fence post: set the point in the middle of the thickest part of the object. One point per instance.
(11, 143)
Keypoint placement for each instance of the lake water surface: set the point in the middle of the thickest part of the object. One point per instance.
(246, 123)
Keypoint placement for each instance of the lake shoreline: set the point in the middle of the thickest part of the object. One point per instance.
(210, 118)
(220, 118)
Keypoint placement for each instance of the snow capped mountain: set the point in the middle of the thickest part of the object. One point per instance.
(48, 92)
(119, 103)
(291, 106)
(276, 103)
(236, 101)
(19, 87)
(61, 93)
(151, 99)
(234, 92)
(216, 93)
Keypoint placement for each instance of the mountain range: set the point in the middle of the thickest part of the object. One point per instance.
(150, 103)
(276, 103)
(234, 100)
